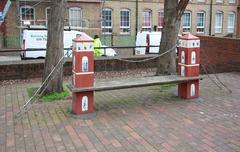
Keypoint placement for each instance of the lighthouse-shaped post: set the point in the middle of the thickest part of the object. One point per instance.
(188, 65)
(83, 77)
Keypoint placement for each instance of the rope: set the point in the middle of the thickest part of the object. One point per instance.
(216, 76)
(148, 59)
(25, 108)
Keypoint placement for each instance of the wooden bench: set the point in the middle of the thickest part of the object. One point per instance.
(103, 85)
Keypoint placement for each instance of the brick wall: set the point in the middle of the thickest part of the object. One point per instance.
(222, 54)
(103, 67)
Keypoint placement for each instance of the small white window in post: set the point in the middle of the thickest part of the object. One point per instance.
(85, 64)
(84, 103)
(183, 57)
(193, 57)
(182, 71)
(192, 90)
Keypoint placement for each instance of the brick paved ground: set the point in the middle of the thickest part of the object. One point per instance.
(140, 119)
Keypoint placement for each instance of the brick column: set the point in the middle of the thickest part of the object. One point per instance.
(188, 65)
(83, 76)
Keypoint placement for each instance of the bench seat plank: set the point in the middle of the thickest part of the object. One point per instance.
(133, 82)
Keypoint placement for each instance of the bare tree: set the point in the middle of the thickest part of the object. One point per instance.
(55, 46)
(173, 11)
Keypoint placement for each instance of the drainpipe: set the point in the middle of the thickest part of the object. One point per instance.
(19, 23)
(136, 23)
(210, 20)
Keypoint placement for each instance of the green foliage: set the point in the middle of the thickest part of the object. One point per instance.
(51, 96)
(55, 96)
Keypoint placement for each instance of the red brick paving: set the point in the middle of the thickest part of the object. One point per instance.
(139, 119)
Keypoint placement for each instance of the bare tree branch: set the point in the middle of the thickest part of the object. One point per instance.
(181, 7)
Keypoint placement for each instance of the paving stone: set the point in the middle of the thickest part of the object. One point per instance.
(136, 119)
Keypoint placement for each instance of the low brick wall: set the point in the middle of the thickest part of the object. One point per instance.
(220, 54)
(104, 67)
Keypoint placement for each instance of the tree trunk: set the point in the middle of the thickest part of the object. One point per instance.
(172, 21)
(55, 46)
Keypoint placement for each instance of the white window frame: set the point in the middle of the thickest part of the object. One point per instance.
(232, 1)
(231, 27)
(147, 28)
(219, 27)
(159, 17)
(80, 18)
(122, 27)
(32, 21)
(110, 27)
(203, 26)
(187, 28)
(219, 1)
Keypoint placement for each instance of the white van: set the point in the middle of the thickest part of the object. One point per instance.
(37, 39)
(147, 39)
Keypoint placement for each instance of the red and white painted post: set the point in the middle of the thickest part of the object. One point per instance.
(188, 65)
(83, 76)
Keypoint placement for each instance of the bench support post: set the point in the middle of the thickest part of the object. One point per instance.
(188, 65)
(83, 77)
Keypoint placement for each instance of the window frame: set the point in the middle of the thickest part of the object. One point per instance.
(110, 28)
(80, 25)
(21, 15)
(146, 27)
(231, 1)
(122, 27)
(232, 27)
(219, 1)
(221, 26)
(160, 20)
(204, 20)
(190, 22)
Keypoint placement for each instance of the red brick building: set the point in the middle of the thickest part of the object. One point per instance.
(81, 15)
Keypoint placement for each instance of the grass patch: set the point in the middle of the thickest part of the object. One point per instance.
(51, 96)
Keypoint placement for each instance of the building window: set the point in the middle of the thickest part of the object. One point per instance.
(219, 1)
(27, 15)
(201, 1)
(200, 22)
(106, 21)
(218, 22)
(160, 20)
(47, 13)
(146, 20)
(186, 21)
(231, 22)
(75, 17)
(124, 21)
(231, 1)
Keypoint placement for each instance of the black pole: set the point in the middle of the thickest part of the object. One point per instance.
(210, 20)
(136, 28)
